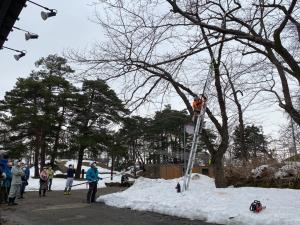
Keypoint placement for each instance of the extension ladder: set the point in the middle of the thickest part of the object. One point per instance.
(197, 133)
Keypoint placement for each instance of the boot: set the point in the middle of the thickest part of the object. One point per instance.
(9, 201)
(65, 191)
(13, 201)
(21, 197)
(69, 191)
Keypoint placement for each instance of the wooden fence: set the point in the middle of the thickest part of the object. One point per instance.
(171, 171)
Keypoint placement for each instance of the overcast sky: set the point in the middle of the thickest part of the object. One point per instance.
(72, 29)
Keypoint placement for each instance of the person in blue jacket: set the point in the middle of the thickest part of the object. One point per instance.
(5, 187)
(92, 178)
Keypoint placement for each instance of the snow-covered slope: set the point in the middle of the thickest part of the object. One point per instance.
(205, 202)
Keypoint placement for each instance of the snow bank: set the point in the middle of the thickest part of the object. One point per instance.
(205, 202)
(290, 169)
(257, 172)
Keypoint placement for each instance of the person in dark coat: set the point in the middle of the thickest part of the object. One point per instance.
(70, 178)
(24, 178)
(2, 179)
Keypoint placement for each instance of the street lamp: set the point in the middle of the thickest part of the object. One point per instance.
(28, 34)
(18, 56)
(45, 15)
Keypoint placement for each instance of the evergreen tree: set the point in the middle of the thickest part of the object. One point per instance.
(255, 143)
(166, 134)
(36, 109)
(97, 110)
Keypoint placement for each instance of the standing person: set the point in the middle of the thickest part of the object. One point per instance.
(16, 182)
(6, 165)
(24, 178)
(51, 174)
(7, 182)
(43, 181)
(92, 178)
(70, 178)
(2, 179)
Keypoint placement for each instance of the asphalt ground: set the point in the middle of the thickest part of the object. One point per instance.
(58, 209)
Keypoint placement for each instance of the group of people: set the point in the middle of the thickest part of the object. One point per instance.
(13, 180)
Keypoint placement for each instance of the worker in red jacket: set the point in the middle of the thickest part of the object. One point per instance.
(197, 105)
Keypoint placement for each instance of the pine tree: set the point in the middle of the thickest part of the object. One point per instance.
(97, 110)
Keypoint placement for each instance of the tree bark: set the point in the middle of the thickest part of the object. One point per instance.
(43, 149)
(37, 155)
(218, 168)
(79, 163)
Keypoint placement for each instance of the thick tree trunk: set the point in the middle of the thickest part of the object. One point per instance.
(55, 148)
(43, 150)
(37, 155)
(79, 164)
(218, 168)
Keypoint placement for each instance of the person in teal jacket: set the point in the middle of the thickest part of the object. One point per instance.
(92, 178)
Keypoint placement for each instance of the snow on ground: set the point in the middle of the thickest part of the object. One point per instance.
(205, 202)
(74, 163)
(59, 183)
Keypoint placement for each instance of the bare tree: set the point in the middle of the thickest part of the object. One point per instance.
(269, 28)
(154, 53)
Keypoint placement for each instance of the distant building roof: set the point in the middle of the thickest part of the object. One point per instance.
(9, 13)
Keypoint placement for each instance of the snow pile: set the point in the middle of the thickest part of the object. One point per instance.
(58, 172)
(290, 169)
(205, 202)
(257, 172)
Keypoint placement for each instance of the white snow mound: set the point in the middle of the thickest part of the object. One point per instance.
(205, 202)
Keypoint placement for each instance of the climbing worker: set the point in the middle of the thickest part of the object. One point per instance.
(197, 105)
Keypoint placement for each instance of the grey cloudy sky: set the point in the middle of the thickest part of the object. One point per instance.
(72, 29)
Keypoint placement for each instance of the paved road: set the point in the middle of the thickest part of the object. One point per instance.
(57, 209)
